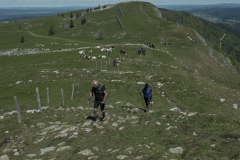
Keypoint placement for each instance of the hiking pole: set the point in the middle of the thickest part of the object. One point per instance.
(142, 101)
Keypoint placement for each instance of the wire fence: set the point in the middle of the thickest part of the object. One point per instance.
(69, 94)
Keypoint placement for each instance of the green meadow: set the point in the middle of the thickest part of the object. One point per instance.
(195, 88)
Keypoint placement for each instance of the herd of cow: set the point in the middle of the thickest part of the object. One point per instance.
(102, 49)
(109, 50)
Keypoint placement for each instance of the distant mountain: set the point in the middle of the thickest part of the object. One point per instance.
(226, 16)
(23, 13)
(189, 7)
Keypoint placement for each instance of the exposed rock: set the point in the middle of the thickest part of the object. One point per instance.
(177, 150)
(86, 152)
(235, 106)
(4, 157)
(63, 148)
(121, 157)
(93, 157)
(222, 100)
(192, 114)
(88, 123)
(121, 128)
(114, 124)
(61, 135)
(48, 149)
(31, 155)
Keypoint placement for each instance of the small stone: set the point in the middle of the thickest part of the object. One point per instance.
(121, 157)
(88, 123)
(31, 155)
(177, 150)
(222, 100)
(86, 152)
(63, 148)
(235, 106)
(114, 124)
(93, 157)
(16, 153)
(48, 149)
(121, 128)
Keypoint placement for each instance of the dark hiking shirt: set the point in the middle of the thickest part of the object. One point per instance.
(99, 93)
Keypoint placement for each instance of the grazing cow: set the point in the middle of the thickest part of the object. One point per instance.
(81, 53)
(102, 56)
(142, 50)
(90, 51)
(94, 57)
(97, 47)
(88, 57)
(108, 50)
(103, 49)
(123, 51)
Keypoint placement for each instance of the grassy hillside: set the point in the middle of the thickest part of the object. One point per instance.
(190, 81)
(210, 31)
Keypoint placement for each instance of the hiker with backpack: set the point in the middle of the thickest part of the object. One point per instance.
(147, 95)
(100, 93)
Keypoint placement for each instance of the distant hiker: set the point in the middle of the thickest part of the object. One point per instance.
(153, 46)
(117, 62)
(100, 93)
(147, 94)
(114, 62)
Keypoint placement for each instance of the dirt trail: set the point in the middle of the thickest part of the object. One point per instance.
(63, 39)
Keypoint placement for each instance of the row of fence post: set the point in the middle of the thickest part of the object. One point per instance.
(39, 101)
(62, 93)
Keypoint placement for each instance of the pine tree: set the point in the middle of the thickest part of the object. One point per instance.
(71, 24)
(71, 15)
(83, 21)
(51, 30)
(22, 39)
(62, 14)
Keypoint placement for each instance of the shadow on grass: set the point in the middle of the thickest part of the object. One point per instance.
(91, 118)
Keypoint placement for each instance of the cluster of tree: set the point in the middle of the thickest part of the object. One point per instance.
(60, 14)
(210, 31)
(78, 14)
(96, 8)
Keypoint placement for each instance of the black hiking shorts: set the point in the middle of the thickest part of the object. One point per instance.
(147, 100)
(98, 103)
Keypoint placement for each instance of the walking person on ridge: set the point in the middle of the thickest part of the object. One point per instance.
(100, 93)
(147, 95)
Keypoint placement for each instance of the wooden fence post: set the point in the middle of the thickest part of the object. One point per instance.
(48, 99)
(38, 99)
(18, 110)
(72, 91)
(62, 97)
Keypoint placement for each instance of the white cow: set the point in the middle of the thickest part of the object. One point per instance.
(108, 50)
(81, 53)
(103, 49)
(102, 56)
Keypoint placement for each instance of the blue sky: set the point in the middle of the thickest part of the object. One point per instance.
(62, 3)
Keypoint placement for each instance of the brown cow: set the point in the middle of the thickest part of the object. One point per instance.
(123, 51)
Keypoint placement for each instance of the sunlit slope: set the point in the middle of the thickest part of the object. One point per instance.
(195, 89)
